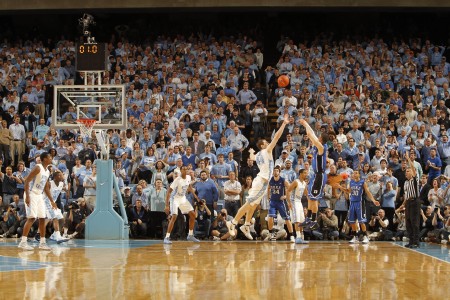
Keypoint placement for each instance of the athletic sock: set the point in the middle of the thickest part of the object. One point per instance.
(313, 217)
(66, 230)
(42, 241)
(191, 232)
(309, 213)
(298, 234)
(167, 235)
(24, 238)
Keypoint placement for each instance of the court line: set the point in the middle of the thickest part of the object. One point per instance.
(417, 251)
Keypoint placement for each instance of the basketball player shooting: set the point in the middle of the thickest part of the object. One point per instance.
(319, 178)
(264, 161)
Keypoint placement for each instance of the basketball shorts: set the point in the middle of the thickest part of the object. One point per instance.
(180, 203)
(257, 191)
(297, 213)
(356, 212)
(316, 185)
(36, 209)
(51, 213)
(280, 206)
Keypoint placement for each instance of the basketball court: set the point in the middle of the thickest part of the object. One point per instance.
(147, 269)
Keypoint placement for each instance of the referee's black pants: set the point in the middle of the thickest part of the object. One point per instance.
(412, 215)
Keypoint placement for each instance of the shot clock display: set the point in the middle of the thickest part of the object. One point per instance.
(91, 57)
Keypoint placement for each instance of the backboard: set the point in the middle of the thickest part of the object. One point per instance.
(104, 103)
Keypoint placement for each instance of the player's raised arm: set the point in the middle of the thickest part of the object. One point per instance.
(278, 134)
(312, 136)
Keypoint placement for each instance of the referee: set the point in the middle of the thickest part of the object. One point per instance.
(412, 204)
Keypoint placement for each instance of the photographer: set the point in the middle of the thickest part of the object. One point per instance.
(399, 219)
(203, 219)
(10, 222)
(259, 115)
(328, 223)
(220, 229)
(378, 225)
(75, 222)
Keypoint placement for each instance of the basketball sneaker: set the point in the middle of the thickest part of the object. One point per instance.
(354, 240)
(246, 231)
(273, 236)
(231, 228)
(192, 238)
(37, 238)
(292, 239)
(216, 238)
(299, 240)
(44, 246)
(167, 241)
(365, 240)
(24, 245)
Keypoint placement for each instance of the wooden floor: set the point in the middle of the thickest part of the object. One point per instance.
(221, 270)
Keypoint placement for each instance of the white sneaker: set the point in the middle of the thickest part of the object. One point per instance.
(24, 245)
(273, 236)
(231, 229)
(52, 237)
(405, 239)
(292, 239)
(365, 240)
(354, 240)
(246, 231)
(216, 238)
(60, 239)
(44, 246)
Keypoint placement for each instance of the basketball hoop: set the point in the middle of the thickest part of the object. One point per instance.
(86, 126)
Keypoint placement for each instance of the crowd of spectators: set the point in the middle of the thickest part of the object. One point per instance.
(203, 102)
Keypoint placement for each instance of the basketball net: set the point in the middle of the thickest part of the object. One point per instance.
(86, 128)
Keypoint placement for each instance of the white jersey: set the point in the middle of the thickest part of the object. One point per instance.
(39, 182)
(264, 161)
(300, 189)
(55, 190)
(179, 187)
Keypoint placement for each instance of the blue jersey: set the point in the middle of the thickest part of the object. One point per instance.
(276, 188)
(356, 190)
(319, 162)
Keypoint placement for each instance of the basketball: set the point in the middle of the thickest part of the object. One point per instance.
(344, 176)
(283, 81)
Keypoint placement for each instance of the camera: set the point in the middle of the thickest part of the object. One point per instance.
(436, 208)
(74, 205)
(14, 208)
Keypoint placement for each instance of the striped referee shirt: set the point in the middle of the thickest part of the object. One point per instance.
(411, 188)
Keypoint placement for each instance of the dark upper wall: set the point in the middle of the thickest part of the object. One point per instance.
(6, 5)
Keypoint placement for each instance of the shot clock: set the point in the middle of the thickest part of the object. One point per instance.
(91, 57)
